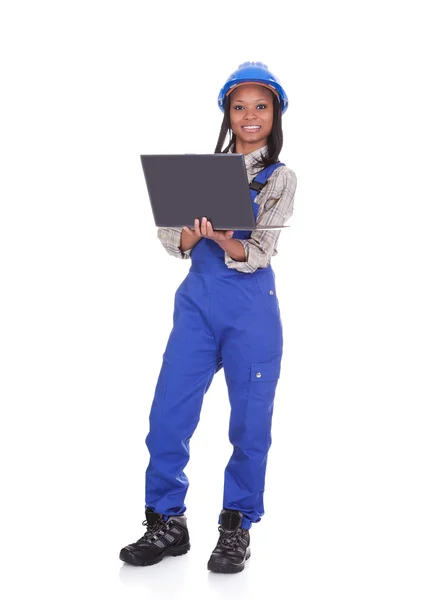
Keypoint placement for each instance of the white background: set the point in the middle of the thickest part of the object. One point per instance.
(353, 491)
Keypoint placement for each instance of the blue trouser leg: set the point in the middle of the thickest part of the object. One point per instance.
(189, 364)
(252, 344)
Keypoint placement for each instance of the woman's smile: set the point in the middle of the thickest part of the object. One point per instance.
(251, 128)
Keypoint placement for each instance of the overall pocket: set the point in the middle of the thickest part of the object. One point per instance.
(263, 380)
(265, 372)
(267, 289)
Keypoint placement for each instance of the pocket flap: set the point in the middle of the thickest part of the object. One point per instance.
(265, 371)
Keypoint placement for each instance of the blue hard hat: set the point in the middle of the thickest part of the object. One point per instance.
(253, 72)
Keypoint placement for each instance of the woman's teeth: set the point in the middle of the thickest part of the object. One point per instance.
(251, 127)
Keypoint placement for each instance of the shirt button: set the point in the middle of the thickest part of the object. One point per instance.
(271, 293)
(258, 374)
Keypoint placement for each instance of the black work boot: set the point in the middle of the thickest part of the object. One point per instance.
(162, 538)
(233, 546)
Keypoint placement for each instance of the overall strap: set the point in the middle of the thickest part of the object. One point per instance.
(261, 179)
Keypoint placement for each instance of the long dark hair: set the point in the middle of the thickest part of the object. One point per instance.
(275, 138)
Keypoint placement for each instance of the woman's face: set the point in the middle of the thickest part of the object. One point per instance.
(251, 116)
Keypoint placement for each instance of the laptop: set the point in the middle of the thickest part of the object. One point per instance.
(185, 187)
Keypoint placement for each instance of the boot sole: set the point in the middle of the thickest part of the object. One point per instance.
(223, 566)
(131, 559)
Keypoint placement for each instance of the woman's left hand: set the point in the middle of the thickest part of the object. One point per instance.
(206, 230)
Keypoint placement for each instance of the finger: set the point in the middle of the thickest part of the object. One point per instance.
(209, 229)
(196, 227)
(204, 226)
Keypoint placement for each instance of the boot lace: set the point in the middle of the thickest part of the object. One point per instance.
(154, 531)
(229, 540)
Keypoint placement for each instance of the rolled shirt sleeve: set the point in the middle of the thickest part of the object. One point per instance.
(276, 207)
(170, 238)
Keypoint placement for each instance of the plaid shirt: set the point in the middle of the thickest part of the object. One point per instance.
(276, 206)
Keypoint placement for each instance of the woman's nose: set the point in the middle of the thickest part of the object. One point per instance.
(250, 113)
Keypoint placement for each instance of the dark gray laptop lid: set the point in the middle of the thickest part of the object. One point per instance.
(183, 187)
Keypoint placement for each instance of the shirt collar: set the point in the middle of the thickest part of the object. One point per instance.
(250, 160)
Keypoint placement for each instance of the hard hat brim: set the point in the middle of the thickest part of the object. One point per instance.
(236, 85)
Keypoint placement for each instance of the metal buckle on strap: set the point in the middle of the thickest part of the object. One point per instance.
(256, 186)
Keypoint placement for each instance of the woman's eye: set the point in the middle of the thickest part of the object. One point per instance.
(239, 106)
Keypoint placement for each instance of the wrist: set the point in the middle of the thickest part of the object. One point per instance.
(224, 243)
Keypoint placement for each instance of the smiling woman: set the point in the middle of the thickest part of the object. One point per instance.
(226, 316)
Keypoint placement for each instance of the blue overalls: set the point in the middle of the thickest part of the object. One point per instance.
(222, 318)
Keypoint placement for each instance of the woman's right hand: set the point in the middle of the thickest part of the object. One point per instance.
(192, 232)
(189, 237)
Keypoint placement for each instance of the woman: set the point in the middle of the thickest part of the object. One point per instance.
(226, 315)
